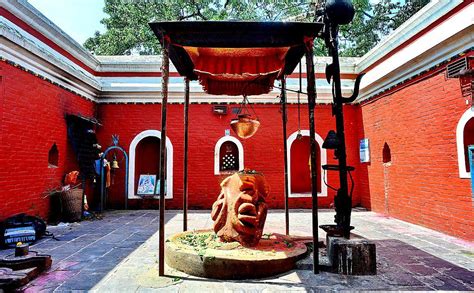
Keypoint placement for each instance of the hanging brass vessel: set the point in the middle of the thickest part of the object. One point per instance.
(244, 126)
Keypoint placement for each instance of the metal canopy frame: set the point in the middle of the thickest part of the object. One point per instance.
(234, 34)
(298, 36)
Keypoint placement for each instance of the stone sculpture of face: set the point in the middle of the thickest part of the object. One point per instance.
(240, 211)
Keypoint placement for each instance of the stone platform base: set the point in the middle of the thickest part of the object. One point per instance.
(18, 271)
(201, 254)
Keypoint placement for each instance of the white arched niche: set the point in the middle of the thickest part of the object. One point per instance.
(468, 115)
(169, 164)
(323, 154)
(217, 154)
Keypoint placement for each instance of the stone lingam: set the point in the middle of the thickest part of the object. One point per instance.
(240, 211)
(236, 247)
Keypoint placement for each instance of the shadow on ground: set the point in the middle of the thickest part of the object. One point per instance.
(400, 267)
(85, 252)
(91, 250)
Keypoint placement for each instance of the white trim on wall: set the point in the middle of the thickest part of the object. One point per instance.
(430, 13)
(20, 47)
(323, 153)
(442, 42)
(218, 147)
(169, 164)
(469, 114)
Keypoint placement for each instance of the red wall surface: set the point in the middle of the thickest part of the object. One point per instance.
(262, 152)
(422, 184)
(31, 120)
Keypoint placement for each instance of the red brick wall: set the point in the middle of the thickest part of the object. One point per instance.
(263, 152)
(422, 183)
(31, 121)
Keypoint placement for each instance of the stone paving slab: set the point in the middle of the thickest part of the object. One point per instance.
(119, 254)
(86, 252)
(401, 266)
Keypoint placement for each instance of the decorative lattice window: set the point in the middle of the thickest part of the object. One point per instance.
(228, 157)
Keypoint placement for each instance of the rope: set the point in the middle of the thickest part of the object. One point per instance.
(298, 95)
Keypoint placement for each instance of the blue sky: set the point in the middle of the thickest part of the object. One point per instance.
(78, 18)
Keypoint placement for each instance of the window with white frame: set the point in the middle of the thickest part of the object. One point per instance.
(228, 155)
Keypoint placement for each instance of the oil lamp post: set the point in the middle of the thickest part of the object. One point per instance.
(338, 12)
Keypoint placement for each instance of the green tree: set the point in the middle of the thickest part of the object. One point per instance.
(127, 25)
(127, 30)
(373, 22)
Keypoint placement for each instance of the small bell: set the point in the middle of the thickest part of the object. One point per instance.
(299, 136)
(331, 142)
(115, 163)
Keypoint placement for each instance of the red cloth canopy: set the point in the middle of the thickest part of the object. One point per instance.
(237, 71)
(236, 58)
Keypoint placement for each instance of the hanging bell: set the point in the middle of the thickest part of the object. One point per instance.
(299, 136)
(115, 164)
(331, 142)
(244, 126)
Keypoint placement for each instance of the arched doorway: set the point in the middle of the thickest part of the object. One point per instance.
(386, 163)
(299, 176)
(145, 159)
(468, 140)
(464, 138)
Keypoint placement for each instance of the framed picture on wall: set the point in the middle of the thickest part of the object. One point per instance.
(146, 184)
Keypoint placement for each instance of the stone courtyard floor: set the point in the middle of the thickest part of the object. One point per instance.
(119, 254)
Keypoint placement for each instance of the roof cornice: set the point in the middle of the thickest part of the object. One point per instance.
(440, 43)
(36, 20)
(432, 12)
(393, 60)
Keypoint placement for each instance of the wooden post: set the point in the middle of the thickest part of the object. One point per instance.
(284, 119)
(185, 175)
(164, 95)
(352, 257)
(311, 89)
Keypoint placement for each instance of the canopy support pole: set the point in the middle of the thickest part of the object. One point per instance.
(311, 89)
(164, 95)
(185, 175)
(284, 118)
